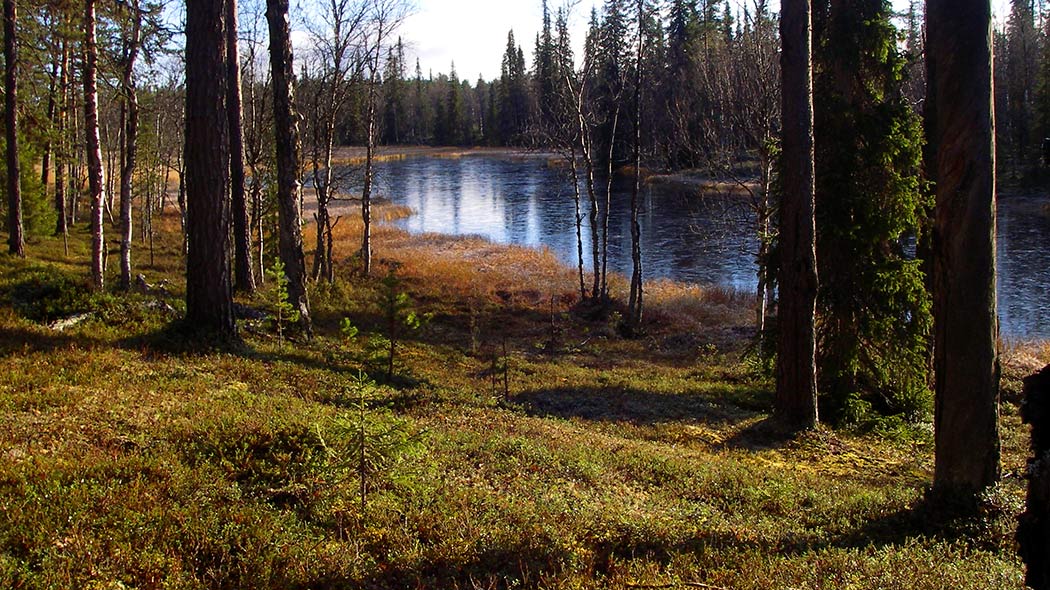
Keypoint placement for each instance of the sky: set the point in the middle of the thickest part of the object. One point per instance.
(473, 33)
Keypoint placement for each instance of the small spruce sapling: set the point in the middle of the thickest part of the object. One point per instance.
(400, 318)
(283, 310)
(371, 442)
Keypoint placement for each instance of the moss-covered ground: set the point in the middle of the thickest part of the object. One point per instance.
(519, 444)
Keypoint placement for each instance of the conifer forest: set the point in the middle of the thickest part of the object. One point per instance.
(718, 294)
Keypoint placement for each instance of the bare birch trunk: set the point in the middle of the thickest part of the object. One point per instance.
(289, 185)
(96, 175)
(130, 141)
(244, 279)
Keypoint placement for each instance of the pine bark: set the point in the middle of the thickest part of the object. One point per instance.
(15, 237)
(796, 390)
(244, 278)
(96, 180)
(289, 186)
(966, 358)
(209, 296)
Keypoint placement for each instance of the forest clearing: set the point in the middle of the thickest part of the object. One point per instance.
(716, 294)
(571, 458)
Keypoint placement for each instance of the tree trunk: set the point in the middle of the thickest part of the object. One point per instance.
(61, 223)
(796, 391)
(366, 194)
(1033, 532)
(289, 187)
(966, 362)
(209, 297)
(635, 301)
(607, 213)
(15, 239)
(244, 279)
(592, 194)
(130, 145)
(96, 180)
(52, 106)
(575, 169)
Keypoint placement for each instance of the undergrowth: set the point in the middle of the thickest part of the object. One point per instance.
(602, 462)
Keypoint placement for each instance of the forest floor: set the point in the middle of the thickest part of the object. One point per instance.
(518, 444)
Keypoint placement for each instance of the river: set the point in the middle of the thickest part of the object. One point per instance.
(685, 236)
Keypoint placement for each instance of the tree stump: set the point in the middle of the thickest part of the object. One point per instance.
(1033, 534)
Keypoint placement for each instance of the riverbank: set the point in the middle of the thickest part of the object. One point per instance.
(516, 446)
(355, 155)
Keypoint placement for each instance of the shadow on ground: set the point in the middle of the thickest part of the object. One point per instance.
(635, 406)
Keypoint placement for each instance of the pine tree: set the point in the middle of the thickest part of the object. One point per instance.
(15, 241)
(966, 419)
(209, 298)
(796, 392)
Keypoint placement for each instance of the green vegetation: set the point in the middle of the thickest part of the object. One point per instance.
(874, 331)
(283, 311)
(125, 462)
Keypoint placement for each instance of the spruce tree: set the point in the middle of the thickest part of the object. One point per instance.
(1019, 64)
(453, 109)
(874, 309)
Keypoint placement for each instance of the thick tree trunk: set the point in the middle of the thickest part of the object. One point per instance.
(96, 177)
(209, 297)
(244, 279)
(15, 239)
(966, 362)
(796, 391)
(289, 186)
(130, 145)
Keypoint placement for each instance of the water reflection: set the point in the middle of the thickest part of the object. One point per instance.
(685, 236)
(1024, 266)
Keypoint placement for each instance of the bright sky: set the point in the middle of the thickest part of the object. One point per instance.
(473, 33)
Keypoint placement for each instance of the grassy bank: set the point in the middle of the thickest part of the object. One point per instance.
(518, 445)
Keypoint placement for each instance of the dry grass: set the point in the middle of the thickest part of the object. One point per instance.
(355, 156)
(1020, 359)
(450, 266)
(694, 306)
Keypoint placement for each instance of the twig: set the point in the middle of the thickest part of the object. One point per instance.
(677, 585)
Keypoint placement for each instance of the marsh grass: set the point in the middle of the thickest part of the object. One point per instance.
(607, 462)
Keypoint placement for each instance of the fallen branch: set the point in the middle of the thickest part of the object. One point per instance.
(678, 585)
